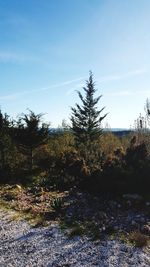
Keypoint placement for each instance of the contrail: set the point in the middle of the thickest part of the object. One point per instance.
(18, 94)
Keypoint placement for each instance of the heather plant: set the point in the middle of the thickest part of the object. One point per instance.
(138, 239)
(136, 154)
(109, 142)
(60, 143)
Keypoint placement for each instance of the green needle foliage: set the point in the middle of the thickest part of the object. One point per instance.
(86, 118)
(4, 138)
(30, 134)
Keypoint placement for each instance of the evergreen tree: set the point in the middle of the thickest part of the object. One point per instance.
(86, 118)
(4, 138)
(30, 133)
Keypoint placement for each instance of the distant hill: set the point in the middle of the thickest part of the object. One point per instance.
(120, 131)
(117, 131)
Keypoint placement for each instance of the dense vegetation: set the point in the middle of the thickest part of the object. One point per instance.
(82, 155)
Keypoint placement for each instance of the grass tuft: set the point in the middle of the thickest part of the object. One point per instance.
(138, 239)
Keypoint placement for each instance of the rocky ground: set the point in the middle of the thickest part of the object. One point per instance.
(23, 246)
(130, 212)
(73, 229)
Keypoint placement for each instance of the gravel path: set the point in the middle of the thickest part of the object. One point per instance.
(23, 246)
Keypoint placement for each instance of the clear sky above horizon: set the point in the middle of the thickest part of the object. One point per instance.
(48, 47)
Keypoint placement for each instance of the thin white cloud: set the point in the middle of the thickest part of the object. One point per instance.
(5, 57)
(59, 84)
(77, 85)
(120, 93)
(19, 94)
(13, 96)
(10, 57)
(121, 76)
(108, 78)
(129, 93)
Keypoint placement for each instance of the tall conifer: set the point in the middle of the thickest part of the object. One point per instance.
(86, 118)
(86, 121)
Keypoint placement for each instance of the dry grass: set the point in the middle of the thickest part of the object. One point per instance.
(77, 230)
(28, 203)
(138, 239)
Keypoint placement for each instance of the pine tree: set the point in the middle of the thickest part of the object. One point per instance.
(86, 118)
(4, 138)
(30, 134)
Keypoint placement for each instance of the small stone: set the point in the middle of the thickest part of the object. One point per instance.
(103, 228)
(124, 249)
(19, 187)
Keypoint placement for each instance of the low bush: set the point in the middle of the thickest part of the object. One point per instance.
(138, 239)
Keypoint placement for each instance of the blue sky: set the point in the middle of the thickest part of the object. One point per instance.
(48, 47)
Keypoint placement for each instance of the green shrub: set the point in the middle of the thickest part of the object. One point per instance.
(57, 204)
